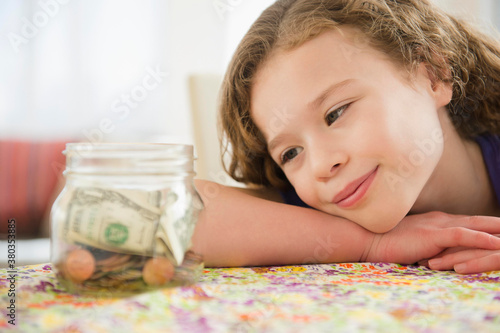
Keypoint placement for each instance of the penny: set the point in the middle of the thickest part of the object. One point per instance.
(157, 271)
(80, 265)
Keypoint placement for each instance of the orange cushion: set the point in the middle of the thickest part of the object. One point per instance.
(29, 173)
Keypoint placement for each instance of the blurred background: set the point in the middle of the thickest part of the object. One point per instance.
(118, 71)
(84, 69)
(70, 64)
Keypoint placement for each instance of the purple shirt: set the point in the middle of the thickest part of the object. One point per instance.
(490, 146)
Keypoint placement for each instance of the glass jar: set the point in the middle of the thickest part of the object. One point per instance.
(124, 221)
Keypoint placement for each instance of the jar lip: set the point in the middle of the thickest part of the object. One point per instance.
(128, 150)
(130, 146)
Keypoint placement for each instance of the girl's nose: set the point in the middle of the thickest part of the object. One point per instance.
(325, 163)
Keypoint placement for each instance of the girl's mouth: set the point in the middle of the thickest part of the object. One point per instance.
(355, 190)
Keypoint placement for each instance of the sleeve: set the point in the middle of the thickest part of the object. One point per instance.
(490, 147)
(291, 198)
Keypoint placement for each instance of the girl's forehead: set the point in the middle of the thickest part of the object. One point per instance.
(342, 49)
(347, 40)
(345, 46)
(345, 33)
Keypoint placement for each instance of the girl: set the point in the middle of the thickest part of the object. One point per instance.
(373, 114)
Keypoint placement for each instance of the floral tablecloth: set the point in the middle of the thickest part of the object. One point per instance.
(358, 297)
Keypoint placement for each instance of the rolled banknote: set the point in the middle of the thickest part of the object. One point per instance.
(178, 222)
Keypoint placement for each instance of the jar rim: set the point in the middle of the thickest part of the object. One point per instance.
(107, 146)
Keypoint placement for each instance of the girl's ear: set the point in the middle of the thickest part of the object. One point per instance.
(442, 89)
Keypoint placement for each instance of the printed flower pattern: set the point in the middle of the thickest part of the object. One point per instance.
(348, 297)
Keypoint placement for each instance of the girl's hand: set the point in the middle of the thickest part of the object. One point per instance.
(465, 260)
(423, 236)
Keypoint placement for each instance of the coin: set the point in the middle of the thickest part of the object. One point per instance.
(158, 271)
(80, 265)
(130, 274)
(119, 266)
(116, 260)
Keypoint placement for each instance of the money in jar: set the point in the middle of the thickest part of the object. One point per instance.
(124, 221)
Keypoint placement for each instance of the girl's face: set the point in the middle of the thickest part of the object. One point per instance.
(354, 135)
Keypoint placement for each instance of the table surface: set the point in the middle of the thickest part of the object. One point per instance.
(357, 297)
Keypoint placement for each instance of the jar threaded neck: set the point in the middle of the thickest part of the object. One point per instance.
(129, 159)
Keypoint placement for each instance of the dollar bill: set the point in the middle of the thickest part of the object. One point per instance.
(111, 220)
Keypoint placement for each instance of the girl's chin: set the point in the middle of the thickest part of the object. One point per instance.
(382, 228)
(381, 222)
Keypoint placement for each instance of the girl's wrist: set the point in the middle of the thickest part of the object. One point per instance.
(371, 244)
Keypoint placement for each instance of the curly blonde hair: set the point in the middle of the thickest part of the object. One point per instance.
(408, 31)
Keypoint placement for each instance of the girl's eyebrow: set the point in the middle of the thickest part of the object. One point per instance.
(276, 141)
(316, 103)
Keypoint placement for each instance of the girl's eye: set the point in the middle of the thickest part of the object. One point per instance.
(289, 155)
(332, 116)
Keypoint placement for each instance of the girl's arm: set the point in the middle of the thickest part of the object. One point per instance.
(241, 227)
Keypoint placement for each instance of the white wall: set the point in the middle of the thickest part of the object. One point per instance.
(70, 78)
(73, 68)
(68, 64)
(483, 13)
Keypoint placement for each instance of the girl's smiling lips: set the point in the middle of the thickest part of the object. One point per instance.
(355, 190)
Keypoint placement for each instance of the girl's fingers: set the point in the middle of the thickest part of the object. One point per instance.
(453, 237)
(448, 261)
(489, 224)
(424, 263)
(484, 264)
